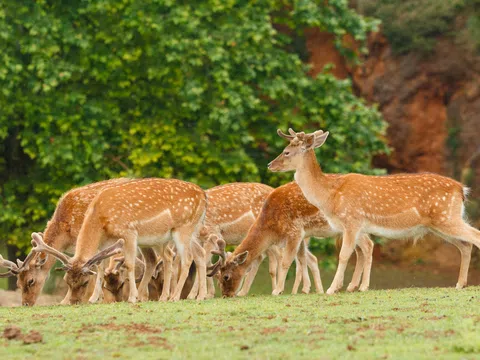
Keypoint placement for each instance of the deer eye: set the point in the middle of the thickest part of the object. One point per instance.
(84, 284)
(30, 282)
(286, 153)
(226, 277)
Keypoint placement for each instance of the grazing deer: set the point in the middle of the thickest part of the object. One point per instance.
(392, 206)
(61, 233)
(285, 219)
(147, 213)
(116, 285)
(115, 282)
(232, 210)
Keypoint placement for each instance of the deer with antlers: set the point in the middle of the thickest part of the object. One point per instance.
(147, 213)
(60, 233)
(392, 206)
(285, 219)
(116, 284)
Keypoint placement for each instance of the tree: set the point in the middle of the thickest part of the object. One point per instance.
(187, 89)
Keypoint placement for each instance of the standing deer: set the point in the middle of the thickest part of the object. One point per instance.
(147, 213)
(61, 233)
(232, 210)
(285, 219)
(393, 206)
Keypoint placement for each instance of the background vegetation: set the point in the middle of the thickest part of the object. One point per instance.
(188, 89)
(416, 25)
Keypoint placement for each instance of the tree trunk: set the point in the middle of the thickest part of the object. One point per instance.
(12, 254)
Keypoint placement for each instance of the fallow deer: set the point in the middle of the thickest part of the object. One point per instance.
(232, 210)
(116, 285)
(392, 206)
(147, 213)
(60, 233)
(285, 219)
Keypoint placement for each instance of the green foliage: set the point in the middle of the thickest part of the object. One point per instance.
(414, 25)
(193, 89)
(473, 28)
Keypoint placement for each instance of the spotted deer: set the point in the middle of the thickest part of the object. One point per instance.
(60, 233)
(116, 285)
(284, 220)
(232, 210)
(148, 213)
(392, 206)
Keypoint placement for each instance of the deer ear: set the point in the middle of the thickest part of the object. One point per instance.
(241, 258)
(41, 260)
(319, 138)
(88, 271)
(308, 142)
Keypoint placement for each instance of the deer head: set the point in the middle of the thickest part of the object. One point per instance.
(300, 143)
(27, 278)
(77, 274)
(229, 269)
(32, 276)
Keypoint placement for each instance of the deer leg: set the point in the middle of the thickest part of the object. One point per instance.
(462, 236)
(97, 290)
(273, 254)
(209, 246)
(312, 262)
(302, 257)
(130, 253)
(182, 241)
(465, 249)
(175, 270)
(348, 245)
(198, 252)
(169, 280)
(252, 272)
(298, 276)
(201, 265)
(367, 245)
(150, 262)
(289, 254)
(357, 274)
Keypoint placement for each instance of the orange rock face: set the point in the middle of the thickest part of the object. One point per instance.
(432, 105)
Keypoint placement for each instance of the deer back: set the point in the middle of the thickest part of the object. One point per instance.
(232, 209)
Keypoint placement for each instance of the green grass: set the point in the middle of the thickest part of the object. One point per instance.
(397, 324)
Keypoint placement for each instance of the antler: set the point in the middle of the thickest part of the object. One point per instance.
(106, 253)
(23, 265)
(221, 250)
(40, 246)
(285, 136)
(223, 257)
(11, 266)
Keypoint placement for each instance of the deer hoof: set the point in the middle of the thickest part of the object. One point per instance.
(277, 292)
(132, 299)
(331, 291)
(459, 286)
(351, 288)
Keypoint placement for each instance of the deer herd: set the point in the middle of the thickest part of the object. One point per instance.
(153, 239)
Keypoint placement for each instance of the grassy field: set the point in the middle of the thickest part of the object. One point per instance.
(397, 324)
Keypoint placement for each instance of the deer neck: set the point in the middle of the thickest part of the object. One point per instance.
(315, 185)
(57, 237)
(89, 239)
(256, 243)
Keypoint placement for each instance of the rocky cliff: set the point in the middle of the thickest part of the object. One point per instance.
(432, 105)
